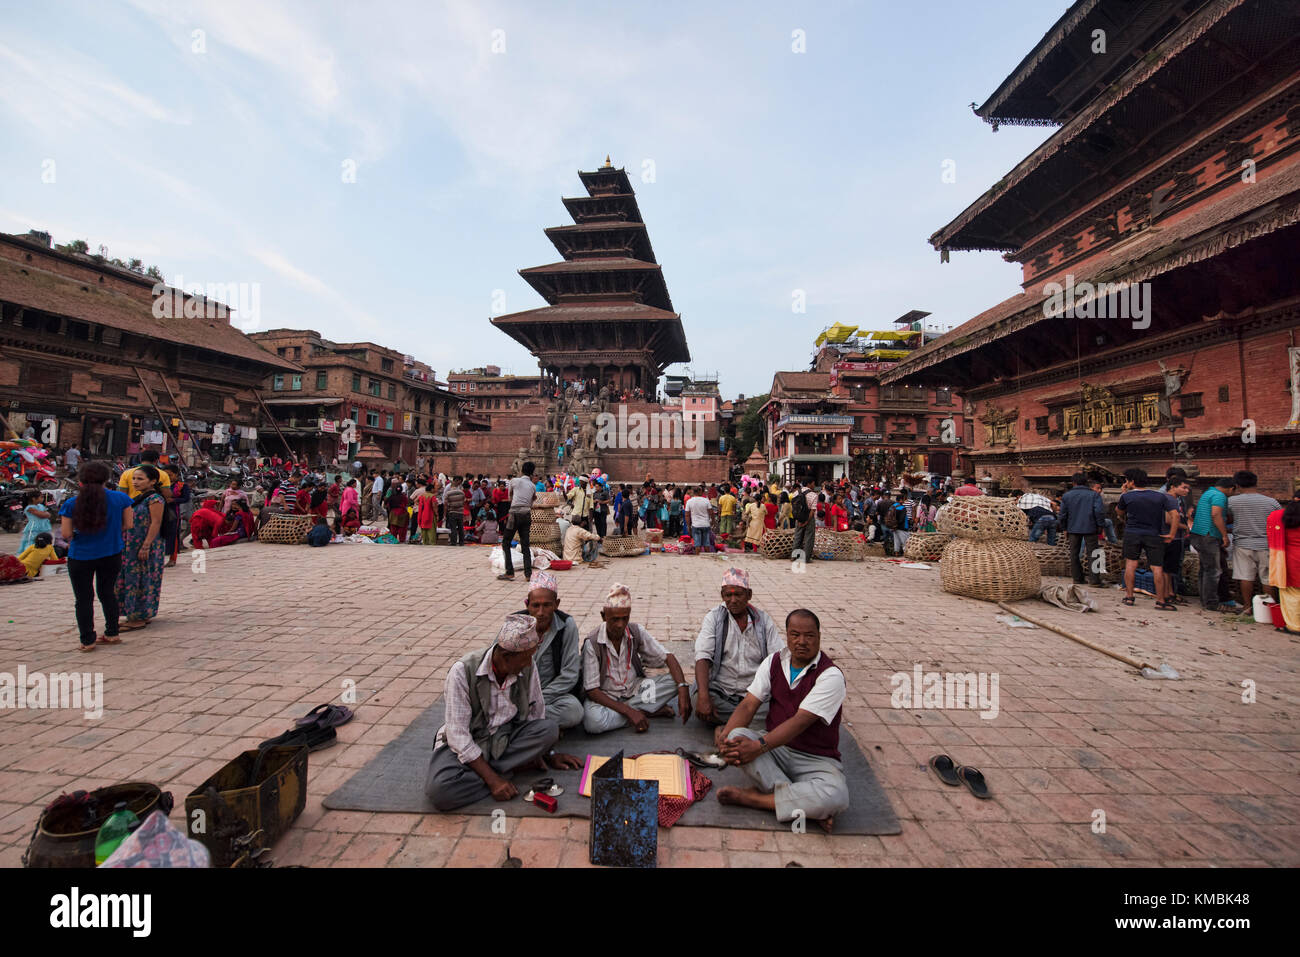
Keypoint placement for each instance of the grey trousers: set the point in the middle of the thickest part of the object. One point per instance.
(596, 718)
(1209, 554)
(800, 781)
(805, 537)
(565, 710)
(725, 705)
(450, 784)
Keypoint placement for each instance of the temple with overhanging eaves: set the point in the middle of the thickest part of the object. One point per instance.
(608, 315)
(1158, 230)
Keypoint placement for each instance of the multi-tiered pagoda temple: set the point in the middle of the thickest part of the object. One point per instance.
(608, 316)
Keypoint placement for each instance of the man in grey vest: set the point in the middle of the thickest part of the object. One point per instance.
(496, 722)
(614, 659)
(732, 643)
(559, 656)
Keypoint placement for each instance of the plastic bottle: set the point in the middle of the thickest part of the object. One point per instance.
(114, 831)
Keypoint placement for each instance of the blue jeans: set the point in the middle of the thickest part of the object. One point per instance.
(701, 536)
(1045, 523)
(1111, 537)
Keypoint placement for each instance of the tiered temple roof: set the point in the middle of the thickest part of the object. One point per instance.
(609, 315)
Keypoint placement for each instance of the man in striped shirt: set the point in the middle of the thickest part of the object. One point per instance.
(1248, 512)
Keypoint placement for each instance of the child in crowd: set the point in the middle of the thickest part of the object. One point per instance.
(37, 553)
(38, 519)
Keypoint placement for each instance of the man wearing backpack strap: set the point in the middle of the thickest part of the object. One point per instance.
(898, 520)
(559, 656)
(614, 658)
(733, 641)
(496, 722)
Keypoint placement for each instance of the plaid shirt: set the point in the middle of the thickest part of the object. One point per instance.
(455, 733)
(1033, 500)
(611, 671)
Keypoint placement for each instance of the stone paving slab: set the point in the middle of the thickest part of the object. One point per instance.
(1185, 772)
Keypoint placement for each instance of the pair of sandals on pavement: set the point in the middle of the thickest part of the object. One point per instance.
(1170, 605)
(955, 775)
(314, 730)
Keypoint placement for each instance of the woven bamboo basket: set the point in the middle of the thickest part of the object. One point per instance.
(286, 530)
(547, 500)
(982, 518)
(777, 543)
(998, 570)
(622, 546)
(1053, 560)
(926, 546)
(830, 545)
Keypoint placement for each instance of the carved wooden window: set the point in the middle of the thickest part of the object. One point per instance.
(1040, 424)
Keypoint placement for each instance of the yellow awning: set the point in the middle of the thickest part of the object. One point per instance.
(892, 336)
(840, 332)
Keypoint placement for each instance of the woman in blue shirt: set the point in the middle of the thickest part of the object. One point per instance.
(94, 522)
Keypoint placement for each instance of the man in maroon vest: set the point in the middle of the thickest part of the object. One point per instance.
(796, 762)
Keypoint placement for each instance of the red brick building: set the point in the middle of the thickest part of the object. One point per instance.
(395, 401)
(1157, 232)
(838, 419)
(74, 331)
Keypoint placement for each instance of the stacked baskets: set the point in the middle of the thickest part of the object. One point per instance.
(989, 559)
(545, 533)
(926, 546)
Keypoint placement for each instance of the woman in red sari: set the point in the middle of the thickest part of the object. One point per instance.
(1284, 560)
(769, 520)
(838, 518)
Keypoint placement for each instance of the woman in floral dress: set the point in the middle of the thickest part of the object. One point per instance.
(140, 584)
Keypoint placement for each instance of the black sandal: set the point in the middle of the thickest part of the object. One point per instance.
(974, 782)
(943, 766)
(1165, 606)
(1128, 600)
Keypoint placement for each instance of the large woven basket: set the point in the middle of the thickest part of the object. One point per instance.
(548, 499)
(1000, 570)
(982, 518)
(286, 530)
(622, 546)
(1053, 560)
(926, 546)
(830, 545)
(777, 543)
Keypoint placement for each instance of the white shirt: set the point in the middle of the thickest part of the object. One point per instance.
(611, 671)
(455, 733)
(827, 694)
(72, 458)
(378, 488)
(743, 651)
(698, 508)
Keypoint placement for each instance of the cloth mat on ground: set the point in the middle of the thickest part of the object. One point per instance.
(393, 780)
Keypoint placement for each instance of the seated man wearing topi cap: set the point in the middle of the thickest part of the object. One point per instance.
(496, 722)
(795, 764)
(559, 657)
(614, 659)
(733, 641)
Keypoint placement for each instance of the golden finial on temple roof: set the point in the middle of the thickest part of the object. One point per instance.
(608, 164)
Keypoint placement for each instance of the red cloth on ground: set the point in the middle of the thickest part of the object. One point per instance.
(671, 809)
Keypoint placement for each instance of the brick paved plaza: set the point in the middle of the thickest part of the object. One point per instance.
(1186, 773)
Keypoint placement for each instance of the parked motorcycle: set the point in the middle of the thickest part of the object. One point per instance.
(12, 516)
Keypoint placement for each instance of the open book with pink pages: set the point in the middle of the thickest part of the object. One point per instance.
(670, 770)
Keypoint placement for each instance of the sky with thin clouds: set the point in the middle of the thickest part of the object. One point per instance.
(213, 140)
